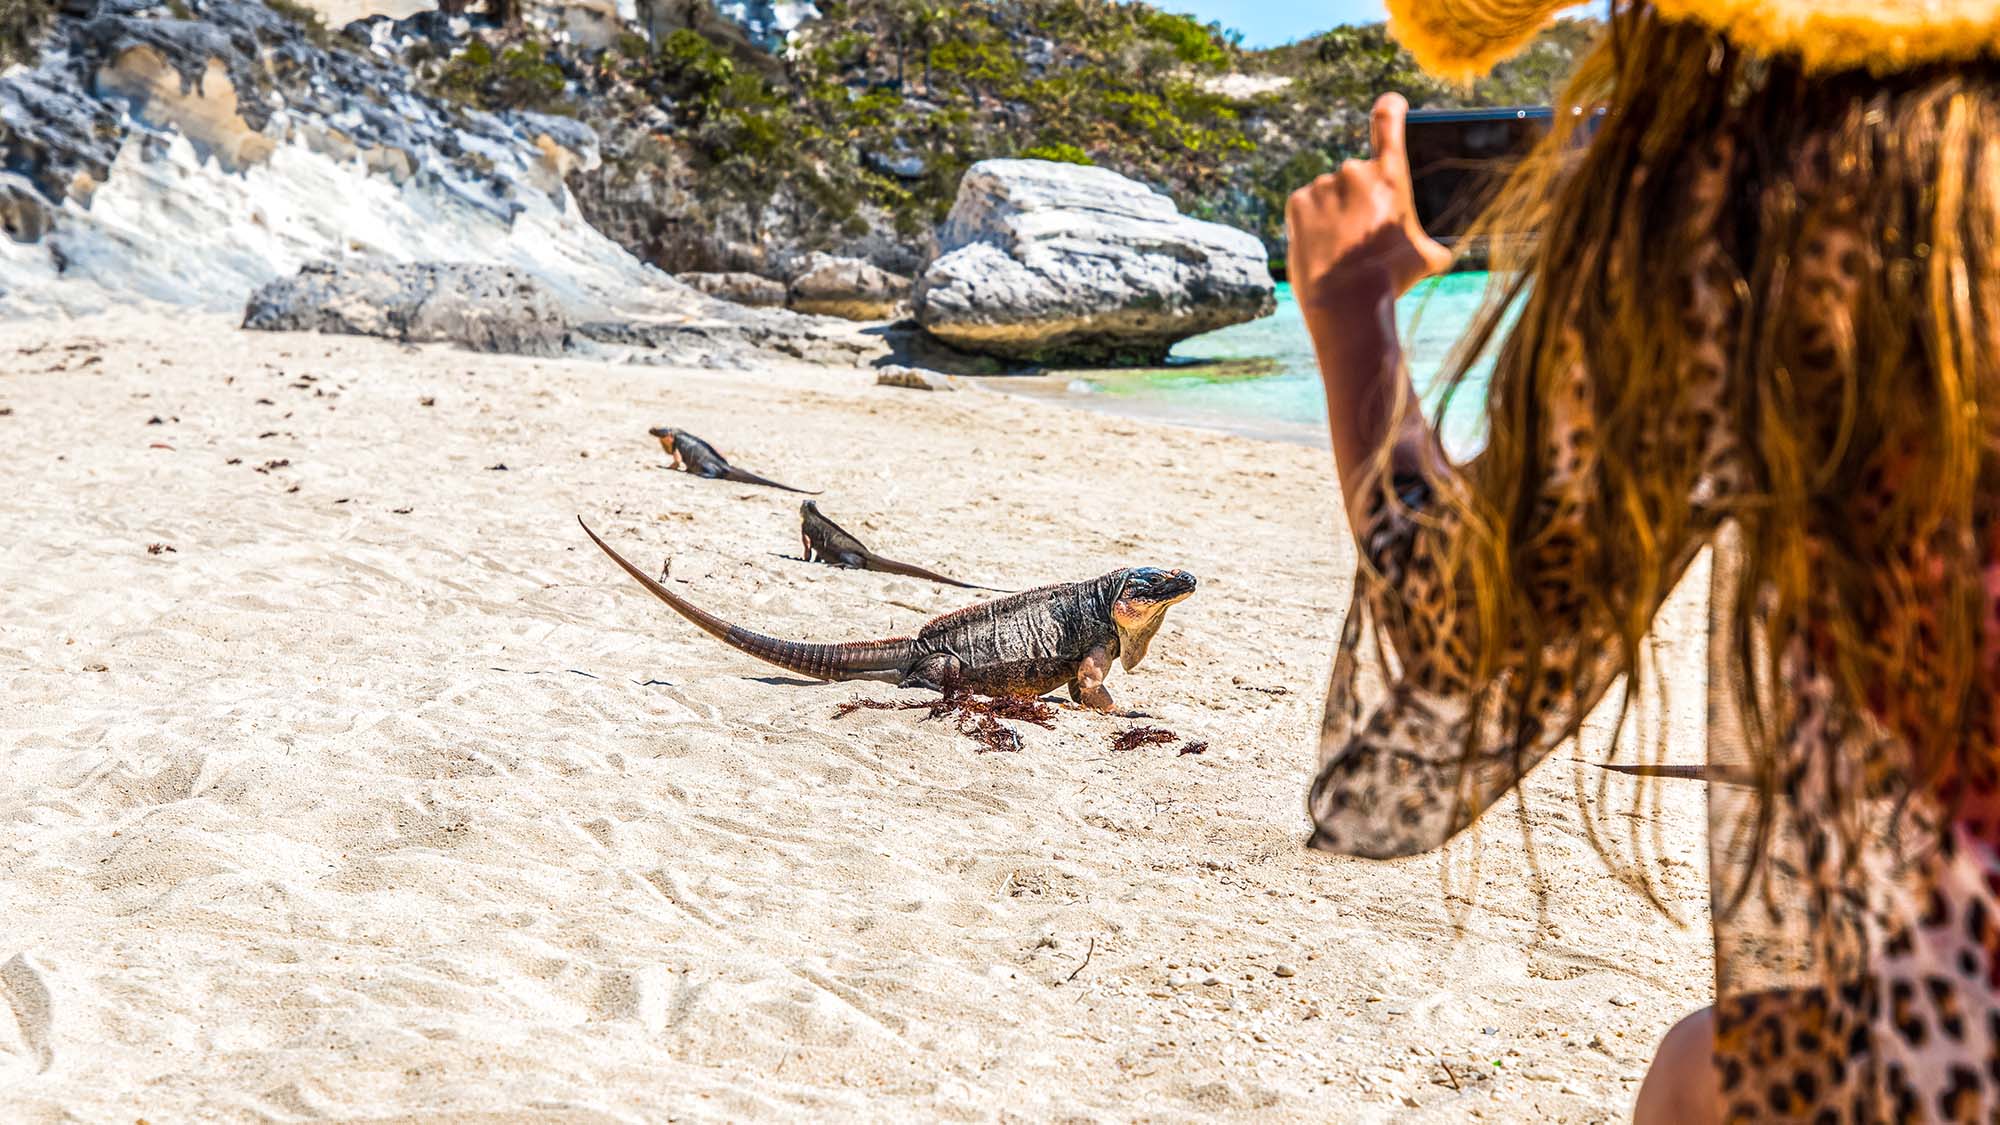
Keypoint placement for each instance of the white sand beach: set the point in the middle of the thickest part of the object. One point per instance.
(347, 781)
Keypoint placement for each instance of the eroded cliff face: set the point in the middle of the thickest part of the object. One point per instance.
(192, 159)
(652, 196)
(706, 136)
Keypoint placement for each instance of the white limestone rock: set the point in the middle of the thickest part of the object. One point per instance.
(1067, 263)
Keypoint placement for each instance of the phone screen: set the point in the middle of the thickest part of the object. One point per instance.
(1460, 157)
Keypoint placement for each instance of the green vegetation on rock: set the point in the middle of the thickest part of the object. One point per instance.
(522, 76)
(860, 132)
(1060, 153)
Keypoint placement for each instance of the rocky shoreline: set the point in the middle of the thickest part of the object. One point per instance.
(194, 151)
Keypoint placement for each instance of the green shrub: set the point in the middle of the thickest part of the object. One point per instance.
(528, 80)
(521, 78)
(983, 66)
(1059, 152)
(1190, 40)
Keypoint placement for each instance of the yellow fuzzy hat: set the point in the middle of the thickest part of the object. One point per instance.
(1462, 39)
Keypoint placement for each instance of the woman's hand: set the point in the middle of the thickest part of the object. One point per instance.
(1356, 246)
(1354, 233)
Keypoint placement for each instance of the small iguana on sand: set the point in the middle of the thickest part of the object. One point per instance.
(690, 454)
(830, 543)
(1021, 645)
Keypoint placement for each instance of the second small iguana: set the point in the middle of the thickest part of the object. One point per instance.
(1021, 645)
(690, 454)
(828, 542)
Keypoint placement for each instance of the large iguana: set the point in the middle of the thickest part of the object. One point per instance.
(828, 542)
(1020, 645)
(692, 455)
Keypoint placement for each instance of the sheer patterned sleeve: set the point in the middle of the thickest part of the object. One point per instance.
(1417, 741)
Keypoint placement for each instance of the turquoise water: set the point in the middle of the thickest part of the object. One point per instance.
(1287, 401)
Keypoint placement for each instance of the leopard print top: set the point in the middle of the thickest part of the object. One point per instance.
(1838, 998)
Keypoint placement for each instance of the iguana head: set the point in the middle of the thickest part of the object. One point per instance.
(1141, 605)
(669, 440)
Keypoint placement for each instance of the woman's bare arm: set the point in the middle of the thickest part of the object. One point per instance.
(1355, 246)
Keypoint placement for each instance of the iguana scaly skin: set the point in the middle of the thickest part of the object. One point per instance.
(690, 454)
(1021, 645)
(830, 543)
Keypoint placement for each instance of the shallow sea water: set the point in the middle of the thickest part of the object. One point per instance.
(1260, 378)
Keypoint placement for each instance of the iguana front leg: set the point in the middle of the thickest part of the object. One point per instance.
(1088, 686)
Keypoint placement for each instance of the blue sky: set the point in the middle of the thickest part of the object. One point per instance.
(1267, 23)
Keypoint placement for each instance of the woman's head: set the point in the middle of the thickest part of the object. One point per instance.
(1808, 263)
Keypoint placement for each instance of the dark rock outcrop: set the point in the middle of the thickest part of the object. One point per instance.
(712, 342)
(161, 123)
(490, 308)
(484, 308)
(59, 138)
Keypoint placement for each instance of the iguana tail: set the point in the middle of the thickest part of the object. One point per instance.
(884, 660)
(891, 566)
(741, 477)
(1719, 775)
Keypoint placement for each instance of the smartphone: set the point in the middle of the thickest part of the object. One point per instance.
(1460, 157)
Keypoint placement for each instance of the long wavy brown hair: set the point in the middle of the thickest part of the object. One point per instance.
(1869, 427)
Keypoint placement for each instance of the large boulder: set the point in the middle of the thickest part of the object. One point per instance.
(486, 308)
(826, 285)
(1067, 263)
